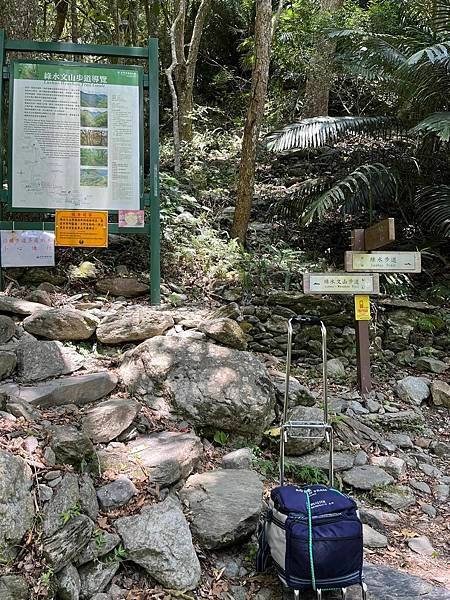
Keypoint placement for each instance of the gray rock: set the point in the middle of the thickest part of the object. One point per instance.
(164, 457)
(95, 576)
(366, 477)
(41, 360)
(39, 296)
(378, 519)
(226, 331)
(413, 389)
(373, 406)
(8, 363)
(421, 545)
(441, 449)
(63, 546)
(70, 445)
(102, 544)
(45, 492)
(361, 458)
(396, 497)
(225, 505)
(61, 324)
(101, 596)
(65, 501)
(440, 392)
(357, 408)
(88, 496)
(133, 324)
(402, 440)
(238, 459)
(430, 471)
(335, 368)
(373, 539)
(391, 464)
(441, 491)
(421, 486)
(7, 416)
(429, 510)
(116, 494)
(78, 390)
(9, 304)
(13, 587)
(158, 539)
(213, 386)
(107, 420)
(312, 437)
(432, 365)
(69, 584)
(343, 461)
(7, 329)
(299, 395)
(16, 503)
(405, 357)
(20, 408)
(122, 286)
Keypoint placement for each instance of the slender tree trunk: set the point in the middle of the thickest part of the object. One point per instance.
(134, 21)
(255, 114)
(62, 7)
(74, 21)
(321, 71)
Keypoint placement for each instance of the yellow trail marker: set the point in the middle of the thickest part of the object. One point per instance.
(362, 308)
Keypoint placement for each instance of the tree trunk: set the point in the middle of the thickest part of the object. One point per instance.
(321, 72)
(255, 114)
(74, 21)
(61, 6)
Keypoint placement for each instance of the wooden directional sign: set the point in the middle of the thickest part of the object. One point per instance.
(341, 283)
(383, 262)
(379, 235)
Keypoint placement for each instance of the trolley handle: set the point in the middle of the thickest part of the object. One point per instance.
(306, 320)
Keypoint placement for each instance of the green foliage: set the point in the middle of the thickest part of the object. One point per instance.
(430, 323)
(99, 538)
(46, 577)
(433, 207)
(119, 554)
(266, 466)
(221, 438)
(73, 511)
(437, 124)
(310, 475)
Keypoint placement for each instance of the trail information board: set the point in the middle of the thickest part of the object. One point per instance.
(88, 229)
(383, 262)
(341, 283)
(75, 136)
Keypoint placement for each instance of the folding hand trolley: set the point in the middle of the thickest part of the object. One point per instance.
(309, 429)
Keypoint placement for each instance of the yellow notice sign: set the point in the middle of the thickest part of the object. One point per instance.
(84, 228)
(362, 308)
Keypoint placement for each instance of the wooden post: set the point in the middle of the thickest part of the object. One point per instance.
(362, 332)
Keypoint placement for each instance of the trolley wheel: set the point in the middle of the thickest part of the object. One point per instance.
(296, 595)
(319, 594)
(343, 593)
(364, 591)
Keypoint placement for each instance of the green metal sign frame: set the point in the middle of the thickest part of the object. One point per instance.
(150, 82)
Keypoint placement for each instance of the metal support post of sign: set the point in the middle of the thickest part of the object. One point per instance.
(2, 60)
(362, 332)
(153, 123)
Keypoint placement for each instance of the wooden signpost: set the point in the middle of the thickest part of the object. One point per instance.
(362, 280)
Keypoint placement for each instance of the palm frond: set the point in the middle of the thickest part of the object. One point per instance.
(441, 20)
(433, 208)
(432, 54)
(437, 123)
(361, 189)
(298, 196)
(316, 132)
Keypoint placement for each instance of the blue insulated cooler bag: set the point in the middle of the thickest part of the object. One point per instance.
(314, 537)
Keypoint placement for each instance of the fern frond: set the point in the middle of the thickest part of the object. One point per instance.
(433, 208)
(361, 189)
(437, 123)
(316, 132)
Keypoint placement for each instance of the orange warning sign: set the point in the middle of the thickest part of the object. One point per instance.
(362, 308)
(84, 228)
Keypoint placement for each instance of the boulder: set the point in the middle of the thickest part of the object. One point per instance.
(8, 363)
(335, 368)
(164, 457)
(373, 539)
(413, 389)
(421, 545)
(225, 505)
(66, 501)
(391, 464)
(102, 544)
(396, 497)
(312, 438)
(69, 584)
(133, 324)
(213, 386)
(122, 286)
(116, 494)
(440, 392)
(378, 519)
(78, 390)
(238, 459)
(107, 420)
(420, 486)
(70, 445)
(299, 395)
(385, 583)
(95, 576)
(432, 365)
(343, 461)
(7, 329)
(366, 477)
(41, 360)
(159, 540)
(226, 331)
(16, 503)
(39, 296)
(14, 587)
(63, 546)
(61, 324)
(88, 496)
(17, 306)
